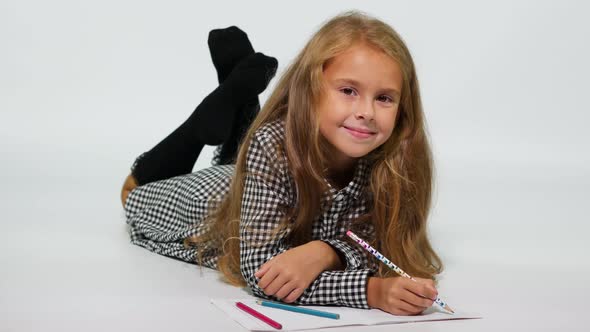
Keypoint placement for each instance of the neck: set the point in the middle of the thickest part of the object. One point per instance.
(341, 167)
(341, 174)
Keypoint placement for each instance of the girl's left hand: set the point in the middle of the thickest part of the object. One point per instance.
(287, 275)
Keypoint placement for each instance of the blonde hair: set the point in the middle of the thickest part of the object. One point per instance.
(401, 175)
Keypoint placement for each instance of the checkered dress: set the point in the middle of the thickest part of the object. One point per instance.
(162, 213)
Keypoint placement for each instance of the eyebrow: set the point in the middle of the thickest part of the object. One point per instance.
(354, 82)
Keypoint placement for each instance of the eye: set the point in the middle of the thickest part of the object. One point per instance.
(386, 98)
(347, 91)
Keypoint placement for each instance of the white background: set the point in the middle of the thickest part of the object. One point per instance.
(85, 87)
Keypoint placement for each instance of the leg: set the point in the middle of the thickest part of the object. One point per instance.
(178, 152)
(227, 152)
(224, 62)
(128, 186)
(210, 123)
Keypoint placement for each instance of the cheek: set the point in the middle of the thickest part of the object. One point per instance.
(386, 125)
(333, 112)
(336, 104)
(386, 120)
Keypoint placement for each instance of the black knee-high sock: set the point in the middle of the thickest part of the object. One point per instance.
(227, 47)
(226, 153)
(169, 158)
(210, 123)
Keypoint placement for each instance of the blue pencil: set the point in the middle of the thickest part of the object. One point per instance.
(298, 309)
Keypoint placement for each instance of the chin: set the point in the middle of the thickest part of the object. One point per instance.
(355, 154)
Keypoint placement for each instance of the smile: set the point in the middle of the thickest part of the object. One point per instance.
(358, 134)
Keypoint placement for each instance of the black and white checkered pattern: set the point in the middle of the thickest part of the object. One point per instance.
(162, 213)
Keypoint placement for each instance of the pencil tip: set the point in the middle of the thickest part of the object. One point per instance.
(449, 308)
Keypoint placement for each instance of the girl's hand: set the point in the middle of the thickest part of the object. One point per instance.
(401, 296)
(287, 275)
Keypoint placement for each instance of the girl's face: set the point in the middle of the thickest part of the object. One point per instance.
(359, 102)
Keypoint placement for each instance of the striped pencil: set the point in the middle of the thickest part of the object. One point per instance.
(391, 265)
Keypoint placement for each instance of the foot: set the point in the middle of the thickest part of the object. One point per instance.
(249, 77)
(228, 47)
(213, 120)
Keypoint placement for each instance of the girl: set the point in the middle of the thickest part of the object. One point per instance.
(340, 144)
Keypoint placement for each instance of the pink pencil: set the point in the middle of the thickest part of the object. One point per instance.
(259, 315)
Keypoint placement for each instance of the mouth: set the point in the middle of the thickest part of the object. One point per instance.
(359, 133)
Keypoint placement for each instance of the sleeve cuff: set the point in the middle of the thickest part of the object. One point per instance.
(345, 288)
(352, 259)
(353, 289)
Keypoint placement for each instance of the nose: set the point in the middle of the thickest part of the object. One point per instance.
(364, 110)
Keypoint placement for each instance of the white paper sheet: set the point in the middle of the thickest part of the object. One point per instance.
(293, 321)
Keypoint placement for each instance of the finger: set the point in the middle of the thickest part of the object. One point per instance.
(431, 285)
(262, 270)
(415, 300)
(285, 290)
(294, 295)
(410, 308)
(275, 285)
(420, 289)
(428, 282)
(268, 277)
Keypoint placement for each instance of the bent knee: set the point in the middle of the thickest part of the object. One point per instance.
(128, 186)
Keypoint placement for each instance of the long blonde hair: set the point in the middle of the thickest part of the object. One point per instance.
(401, 176)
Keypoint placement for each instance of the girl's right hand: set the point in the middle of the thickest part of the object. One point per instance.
(401, 296)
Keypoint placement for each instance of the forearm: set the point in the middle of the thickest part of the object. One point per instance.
(373, 291)
(330, 260)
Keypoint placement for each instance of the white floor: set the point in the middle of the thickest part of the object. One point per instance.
(515, 252)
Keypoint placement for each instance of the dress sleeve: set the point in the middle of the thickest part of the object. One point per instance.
(263, 200)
